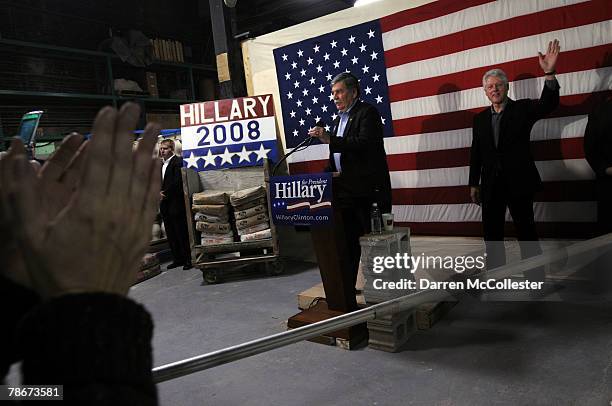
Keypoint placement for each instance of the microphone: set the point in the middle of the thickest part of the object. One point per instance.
(306, 142)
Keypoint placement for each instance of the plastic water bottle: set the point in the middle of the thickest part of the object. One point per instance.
(375, 220)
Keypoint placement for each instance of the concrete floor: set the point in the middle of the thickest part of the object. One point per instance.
(482, 353)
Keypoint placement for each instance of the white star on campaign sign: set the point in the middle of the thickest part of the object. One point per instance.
(209, 159)
(226, 157)
(262, 152)
(245, 155)
(192, 161)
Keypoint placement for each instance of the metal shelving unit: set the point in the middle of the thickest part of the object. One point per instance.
(34, 74)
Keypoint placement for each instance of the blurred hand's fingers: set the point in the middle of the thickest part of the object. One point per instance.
(8, 172)
(127, 120)
(25, 203)
(11, 253)
(16, 147)
(141, 172)
(55, 166)
(151, 203)
(72, 174)
(99, 162)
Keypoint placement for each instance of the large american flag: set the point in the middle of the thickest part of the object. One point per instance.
(422, 69)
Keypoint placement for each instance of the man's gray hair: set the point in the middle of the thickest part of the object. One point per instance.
(498, 73)
(350, 81)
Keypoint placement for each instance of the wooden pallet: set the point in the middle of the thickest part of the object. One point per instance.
(427, 314)
(349, 338)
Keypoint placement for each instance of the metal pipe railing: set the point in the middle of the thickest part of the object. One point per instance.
(258, 346)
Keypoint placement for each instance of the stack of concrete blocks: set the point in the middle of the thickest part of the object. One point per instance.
(389, 332)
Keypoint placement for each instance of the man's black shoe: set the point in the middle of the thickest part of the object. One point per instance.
(173, 265)
(187, 266)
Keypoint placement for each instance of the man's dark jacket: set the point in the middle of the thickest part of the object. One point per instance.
(512, 157)
(598, 141)
(173, 204)
(363, 158)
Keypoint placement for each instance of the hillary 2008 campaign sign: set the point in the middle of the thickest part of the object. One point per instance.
(228, 133)
(301, 199)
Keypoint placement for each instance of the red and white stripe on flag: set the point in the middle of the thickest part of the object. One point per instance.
(436, 55)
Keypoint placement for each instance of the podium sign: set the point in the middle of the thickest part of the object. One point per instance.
(302, 200)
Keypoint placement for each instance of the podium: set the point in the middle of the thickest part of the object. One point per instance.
(337, 275)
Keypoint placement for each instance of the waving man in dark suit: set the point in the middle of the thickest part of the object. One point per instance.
(502, 170)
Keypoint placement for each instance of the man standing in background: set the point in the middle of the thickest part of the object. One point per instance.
(172, 206)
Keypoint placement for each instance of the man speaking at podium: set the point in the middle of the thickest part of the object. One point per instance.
(357, 153)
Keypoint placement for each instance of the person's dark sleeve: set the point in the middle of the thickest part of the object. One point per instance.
(548, 101)
(15, 302)
(475, 158)
(370, 134)
(97, 345)
(593, 151)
